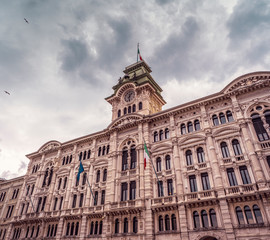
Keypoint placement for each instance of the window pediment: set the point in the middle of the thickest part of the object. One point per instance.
(226, 131)
(191, 139)
(49, 146)
(125, 120)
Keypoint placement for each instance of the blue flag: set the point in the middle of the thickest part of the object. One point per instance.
(81, 169)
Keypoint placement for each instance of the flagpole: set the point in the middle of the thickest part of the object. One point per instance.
(137, 51)
(30, 197)
(161, 188)
(91, 189)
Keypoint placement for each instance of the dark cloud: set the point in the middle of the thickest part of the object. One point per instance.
(173, 55)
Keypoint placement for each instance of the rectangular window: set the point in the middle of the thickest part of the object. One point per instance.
(81, 200)
(160, 189)
(268, 161)
(193, 183)
(132, 194)
(96, 198)
(170, 187)
(124, 187)
(74, 201)
(103, 197)
(61, 202)
(22, 208)
(55, 204)
(231, 177)
(39, 203)
(244, 175)
(158, 164)
(205, 181)
(133, 158)
(124, 160)
(43, 204)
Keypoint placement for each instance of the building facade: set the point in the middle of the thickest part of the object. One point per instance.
(208, 176)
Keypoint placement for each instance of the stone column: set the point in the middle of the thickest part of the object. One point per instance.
(183, 222)
(83, 230)
(214, 163)
(140, 161)
(258, 173)
(60, 229)
(224, 209)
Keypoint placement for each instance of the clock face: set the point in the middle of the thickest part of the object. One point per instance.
(129, 96)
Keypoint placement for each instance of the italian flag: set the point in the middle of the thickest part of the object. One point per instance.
(139, 54)
(146, 155)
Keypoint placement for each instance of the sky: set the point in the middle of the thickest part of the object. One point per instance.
(59, 67)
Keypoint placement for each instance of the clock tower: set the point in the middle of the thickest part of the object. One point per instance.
(136, 93)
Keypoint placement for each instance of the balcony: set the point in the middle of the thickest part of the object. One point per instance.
(164, 200)
(200, 195)
(241, 189)
(126, 204)
(265, 144)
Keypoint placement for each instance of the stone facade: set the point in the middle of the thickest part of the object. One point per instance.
(207, 178)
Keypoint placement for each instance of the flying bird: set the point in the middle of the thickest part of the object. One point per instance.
(26, 20)
(7, 92)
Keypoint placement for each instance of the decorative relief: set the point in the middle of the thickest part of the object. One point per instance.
(49, 146)
(124, 121)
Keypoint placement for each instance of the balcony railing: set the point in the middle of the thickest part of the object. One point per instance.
(200, 195)
(265, 144)
(241, 189)
(164, 200)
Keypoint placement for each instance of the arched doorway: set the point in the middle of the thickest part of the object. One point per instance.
(208, 238)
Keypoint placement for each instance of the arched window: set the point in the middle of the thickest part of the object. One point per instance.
(204, 219)
(80, 156)
(200, 155)
(133, 157)
(240, 216)
(105, 175)
(108, 149)
(45, 177)
(100, 227)
(190, 127)
(160, 223)
(259, 128)
(67, 160)
(50, 177)
(99, 151)
(129, 109)
(257, 214)
(158, 161)
(59, 183)
(229, 116)
(89, 154)
(116, 226)
(49, 229)
(197, 125)
(168, 162)
(103, 150)
(267, 116)
(125, 111)
(72, 229)
(65, 183)
(96, 228)
(213, 218)
(248, 214)
(98, 176)
(215, 120)
(224, 150)
(174, 227)
(161, 135)
(81, 200)
(125, 230)
(135, 225)
(140, 105)
(133, 108)
(84, 155)
(167, 223)
(77, 229)
(183, 129)
(155, 136)
(196, 219)
(167, 133)
(64, 160)
(70, 158)
(124, 159)
(189, 158)
(92, 228)
(84, 178)
(119, 113)
(244, 175)
(236, 147)
(222, 118)
(68, 226)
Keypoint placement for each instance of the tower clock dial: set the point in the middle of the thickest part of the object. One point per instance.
(129, 96)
